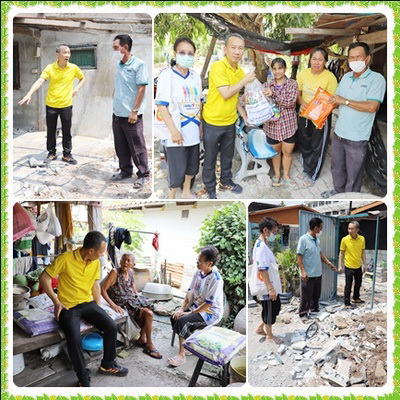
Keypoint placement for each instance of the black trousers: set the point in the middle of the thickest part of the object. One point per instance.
(351, 273)
(313, 144)
(130, 145)
(66, 122)
(310, 294)
(270, 310)
(70, 324)
(186, 325)
(348, 163)
(218, 138)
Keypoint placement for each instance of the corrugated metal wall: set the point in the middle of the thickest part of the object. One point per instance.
(329, 247)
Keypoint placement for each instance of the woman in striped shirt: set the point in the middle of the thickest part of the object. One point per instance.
(281, 133)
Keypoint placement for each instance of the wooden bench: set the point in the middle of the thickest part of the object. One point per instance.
(22, 343)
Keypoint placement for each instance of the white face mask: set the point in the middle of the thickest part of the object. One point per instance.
(319, 234)
(357, 66)
(271, 237)
(118, 55)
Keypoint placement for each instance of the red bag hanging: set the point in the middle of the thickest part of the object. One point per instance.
(155, 241)
(318, 109)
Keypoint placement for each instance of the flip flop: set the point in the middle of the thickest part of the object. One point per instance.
(276, 182)
(140, 182)
(188, 353)
(176, 363)
(359, 301)
(152, 353)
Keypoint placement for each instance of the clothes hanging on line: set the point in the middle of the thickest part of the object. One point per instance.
(116, 237)
(22, 265)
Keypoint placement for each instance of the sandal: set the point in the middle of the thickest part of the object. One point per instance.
(276, 182)
(174, 362)
(359, 301)
(139, 183)
(308, 182)
(152, 353)
(290, 183)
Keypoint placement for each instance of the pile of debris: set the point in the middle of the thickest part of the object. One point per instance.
(340, 347)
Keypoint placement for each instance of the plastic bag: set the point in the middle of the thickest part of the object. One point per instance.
(257, 107)
(256, 283)
(275, 109)
(318, 109)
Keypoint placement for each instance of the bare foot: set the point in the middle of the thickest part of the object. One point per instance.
(260, 331)
(177, 360)
(275, 339)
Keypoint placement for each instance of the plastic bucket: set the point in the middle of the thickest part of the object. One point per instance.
(237, 369)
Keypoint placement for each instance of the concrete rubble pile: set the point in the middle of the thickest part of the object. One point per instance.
(349, 347)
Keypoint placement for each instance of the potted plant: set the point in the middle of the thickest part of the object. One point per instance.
(289, 271)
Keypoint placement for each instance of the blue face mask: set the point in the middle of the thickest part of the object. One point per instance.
(185, 61)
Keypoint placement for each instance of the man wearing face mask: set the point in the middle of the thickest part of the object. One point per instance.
(131, 79)
(310, 258)
(267, 270)
(226, 79)
(358, 97)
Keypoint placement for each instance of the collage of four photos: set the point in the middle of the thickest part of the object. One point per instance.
(198, 200)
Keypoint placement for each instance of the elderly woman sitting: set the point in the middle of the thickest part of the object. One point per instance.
(119, 290)
(203, 303)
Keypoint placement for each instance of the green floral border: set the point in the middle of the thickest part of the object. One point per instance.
(5, 8)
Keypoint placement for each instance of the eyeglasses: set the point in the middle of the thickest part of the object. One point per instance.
(182, 53)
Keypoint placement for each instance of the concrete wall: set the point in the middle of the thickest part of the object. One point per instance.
(26, 117)
(92, 108)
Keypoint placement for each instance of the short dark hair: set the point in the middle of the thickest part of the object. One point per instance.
(278, 60)
(93, 240)
(58, 48)
(236, 35)
(316, 50)
(268, 223)
(315, 223)
(210, 253)
(360, 44)
(184, 39)
(123, 40)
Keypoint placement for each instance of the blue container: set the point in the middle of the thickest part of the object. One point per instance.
(92, 342)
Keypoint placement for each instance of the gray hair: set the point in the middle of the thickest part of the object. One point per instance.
(355, 223)
(58, 48)
(236, 35)
(129, 253)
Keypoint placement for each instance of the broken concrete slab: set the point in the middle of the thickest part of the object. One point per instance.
(380, 371)
(341, 332)
(330, 347)
(333, 377)
(343, 368)
(360, 377)
(340, 322)
(281, 349)
(299, 346)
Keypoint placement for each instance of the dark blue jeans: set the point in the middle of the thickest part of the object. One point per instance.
(66, 122)
(70, 324)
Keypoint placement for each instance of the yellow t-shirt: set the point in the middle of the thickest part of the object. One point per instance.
(59, 94)
(309, 83)
(353, 249)
(217, 110)
(75, 277)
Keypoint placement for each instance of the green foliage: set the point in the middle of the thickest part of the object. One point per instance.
(275, 24)
(287, 261)
(168, 27)
(127, 219)
(226, 230)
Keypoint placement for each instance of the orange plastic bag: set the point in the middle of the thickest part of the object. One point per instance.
(318, 109)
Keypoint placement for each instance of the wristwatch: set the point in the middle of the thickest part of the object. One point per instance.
(135, 110)
(347, 102)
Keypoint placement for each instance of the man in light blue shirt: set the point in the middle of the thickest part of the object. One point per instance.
(131, 79)
(310, 257)
(358, 97)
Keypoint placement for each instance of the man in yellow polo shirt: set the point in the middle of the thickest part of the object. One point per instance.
(79, 297)
(61, 74)
(226, 79)
(352, 250)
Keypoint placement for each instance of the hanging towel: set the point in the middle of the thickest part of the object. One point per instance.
(66, 221)
(21, 265)
(155, 242)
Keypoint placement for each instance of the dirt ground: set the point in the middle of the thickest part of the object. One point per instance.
(260, 187)
(89, 179)
(359, 338)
